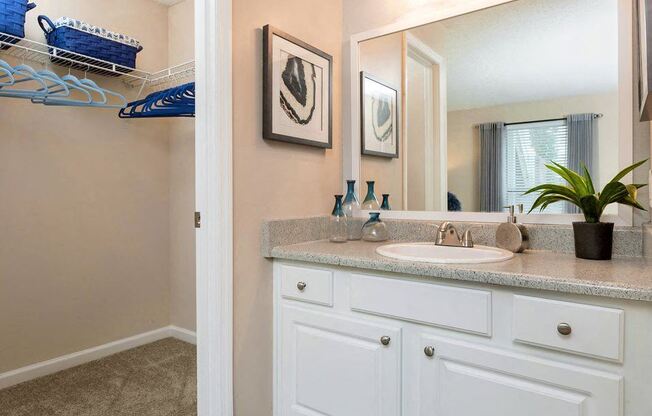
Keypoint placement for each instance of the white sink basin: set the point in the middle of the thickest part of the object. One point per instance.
(431, 253)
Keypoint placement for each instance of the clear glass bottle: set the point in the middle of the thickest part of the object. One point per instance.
(351, 203)
(374, 230)
(337, 226)
(385, 205)
(370, 201)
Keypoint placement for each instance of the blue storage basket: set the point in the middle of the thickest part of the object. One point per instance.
(12, 19)
(89, 45)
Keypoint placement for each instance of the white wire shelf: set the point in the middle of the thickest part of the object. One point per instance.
(32, 51)
(167, 77)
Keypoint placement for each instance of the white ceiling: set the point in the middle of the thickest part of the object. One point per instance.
(528, 50)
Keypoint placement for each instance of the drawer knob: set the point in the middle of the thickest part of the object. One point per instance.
(564, 328)
(429, 351)
(385, 340)
(301, 286)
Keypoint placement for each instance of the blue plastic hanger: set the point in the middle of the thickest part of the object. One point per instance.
(6, 74)
(6, 78)
(73, 83)
(8, 71)
(122, 101)
(21, 74)
(58, 87)
(174, 102)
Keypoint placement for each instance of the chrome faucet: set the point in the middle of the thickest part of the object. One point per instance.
(447, 235)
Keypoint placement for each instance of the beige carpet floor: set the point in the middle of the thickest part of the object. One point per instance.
(157, 379)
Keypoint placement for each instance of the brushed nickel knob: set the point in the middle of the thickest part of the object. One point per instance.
(564, 328)
(301, 286)
(385, 340)
(429, 351)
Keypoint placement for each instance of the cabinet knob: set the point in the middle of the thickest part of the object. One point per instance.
(385, 340)
(429, 351)
(564, 328)
(301, 286)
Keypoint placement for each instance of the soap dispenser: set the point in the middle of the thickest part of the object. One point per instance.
(511, 235)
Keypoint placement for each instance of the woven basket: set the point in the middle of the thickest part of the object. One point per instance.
(83, 43)
(12, 18)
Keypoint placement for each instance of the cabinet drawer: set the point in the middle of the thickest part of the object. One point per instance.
(582, 329)
(307, 284)
(457, 308)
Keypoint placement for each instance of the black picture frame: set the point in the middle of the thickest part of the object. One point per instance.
(365, 151)
(269, 32)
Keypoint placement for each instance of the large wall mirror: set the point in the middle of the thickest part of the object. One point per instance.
(486, 98)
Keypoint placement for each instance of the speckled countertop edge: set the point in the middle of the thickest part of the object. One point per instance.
(628, 241)
(621, 278)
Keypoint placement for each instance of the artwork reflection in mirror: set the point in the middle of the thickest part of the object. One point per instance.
(380, 129)
(488, 98)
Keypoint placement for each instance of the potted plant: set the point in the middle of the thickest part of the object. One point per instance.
(593, 239)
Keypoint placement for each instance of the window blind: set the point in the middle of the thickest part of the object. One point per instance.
(528, 148)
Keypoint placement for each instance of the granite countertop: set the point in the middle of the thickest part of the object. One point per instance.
(622, 277)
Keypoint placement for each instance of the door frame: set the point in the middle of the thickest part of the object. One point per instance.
(214, 200)
(426, 56)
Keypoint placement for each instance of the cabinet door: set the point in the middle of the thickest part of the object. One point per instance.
(467, 379)
(337, 366)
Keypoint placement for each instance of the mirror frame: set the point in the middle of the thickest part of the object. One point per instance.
(435, 12)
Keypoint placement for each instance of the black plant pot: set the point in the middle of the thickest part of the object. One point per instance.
(593, 241)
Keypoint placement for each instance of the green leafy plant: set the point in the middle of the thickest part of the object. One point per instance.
(580, 191)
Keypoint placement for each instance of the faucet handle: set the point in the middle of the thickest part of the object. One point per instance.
(467, 237)
(443, 226)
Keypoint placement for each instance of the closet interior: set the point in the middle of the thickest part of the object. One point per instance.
(97, 183)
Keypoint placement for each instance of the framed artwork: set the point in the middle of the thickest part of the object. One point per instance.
(379, 112)
(297, 91)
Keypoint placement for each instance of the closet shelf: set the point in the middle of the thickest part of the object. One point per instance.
(167, 77)
(32, 51)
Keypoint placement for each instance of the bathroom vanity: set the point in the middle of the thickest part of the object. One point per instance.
(541, 334)
(455, 111)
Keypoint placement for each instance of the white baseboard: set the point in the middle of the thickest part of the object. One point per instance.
(44, 368)
(182, 334)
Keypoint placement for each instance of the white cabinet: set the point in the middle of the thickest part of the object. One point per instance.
(466, 379)
(495, 351)
(337, 366)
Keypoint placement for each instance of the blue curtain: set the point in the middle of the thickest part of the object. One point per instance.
(491, 166)
(582, 131)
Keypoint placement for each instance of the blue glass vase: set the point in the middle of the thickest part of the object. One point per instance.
(370, 201)
(385, 205)
(337, 226)
(350, 205)
(374, 230)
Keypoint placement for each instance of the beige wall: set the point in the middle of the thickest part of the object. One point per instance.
(83, 209)
(463, 142)
(182, 180)
(383, 58)
(272, 179)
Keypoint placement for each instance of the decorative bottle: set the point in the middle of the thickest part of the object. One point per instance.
(337, 226)
(374, 230)
(370, 201)
(351, 203)
(385, 205)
